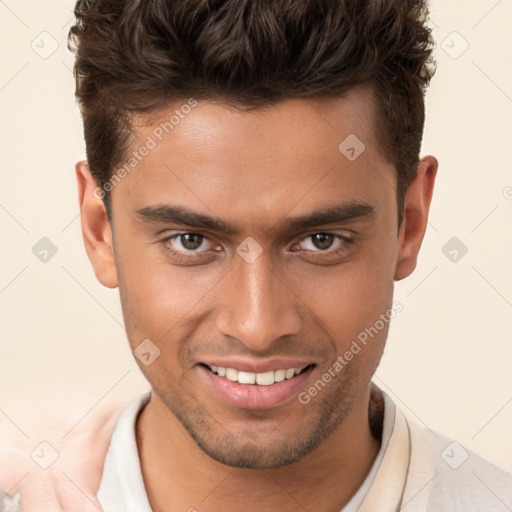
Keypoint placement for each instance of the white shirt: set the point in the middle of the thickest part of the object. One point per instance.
(416, 470)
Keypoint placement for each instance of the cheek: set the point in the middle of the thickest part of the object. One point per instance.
(349, 299)
(156, 295)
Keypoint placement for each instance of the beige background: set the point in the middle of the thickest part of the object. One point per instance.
(63, 349)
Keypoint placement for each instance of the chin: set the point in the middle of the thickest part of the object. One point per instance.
(262, 448)
(251, 456)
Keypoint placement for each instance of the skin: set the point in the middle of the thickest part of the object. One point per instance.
(254, 170)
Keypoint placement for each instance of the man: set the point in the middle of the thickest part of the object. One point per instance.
(253, 187)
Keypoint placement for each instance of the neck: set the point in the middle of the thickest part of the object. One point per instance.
(178, 475)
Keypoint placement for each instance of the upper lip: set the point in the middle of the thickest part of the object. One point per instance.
(268, 365)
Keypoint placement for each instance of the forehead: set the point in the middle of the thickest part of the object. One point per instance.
(218, 126)
(285, 156)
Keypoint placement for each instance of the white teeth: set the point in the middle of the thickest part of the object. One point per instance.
(280, 375)
(290, 373)
(262, 379)
(246, 377)
(231, 374)
(265, 379)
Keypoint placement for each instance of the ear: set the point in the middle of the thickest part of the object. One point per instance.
(414, 224)
(96, 229)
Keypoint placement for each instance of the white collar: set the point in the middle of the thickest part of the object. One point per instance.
(122, 486)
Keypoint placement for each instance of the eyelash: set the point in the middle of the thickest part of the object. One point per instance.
(180, 256)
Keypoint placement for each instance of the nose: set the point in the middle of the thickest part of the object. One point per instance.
(257, 307)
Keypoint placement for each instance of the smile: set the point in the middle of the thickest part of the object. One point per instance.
(255, 385)
(261, 379)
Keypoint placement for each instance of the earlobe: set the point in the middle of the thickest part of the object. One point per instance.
(416, 210)
(96, 229)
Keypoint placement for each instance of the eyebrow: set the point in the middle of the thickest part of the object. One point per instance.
(169, 214)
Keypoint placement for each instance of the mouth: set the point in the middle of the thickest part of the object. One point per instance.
(261, 379)
(254, 390)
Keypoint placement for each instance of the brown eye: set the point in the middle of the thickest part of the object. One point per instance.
(191, 241)
(187, 243)
(322, 240)
(325, 247)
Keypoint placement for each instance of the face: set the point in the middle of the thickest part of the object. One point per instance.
(248, 247)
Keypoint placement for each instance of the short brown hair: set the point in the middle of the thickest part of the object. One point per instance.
(137, 56)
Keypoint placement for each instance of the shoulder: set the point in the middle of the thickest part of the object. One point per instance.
(460, 479)
(442, 474)
(469, 478)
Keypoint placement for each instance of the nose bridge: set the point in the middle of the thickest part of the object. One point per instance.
(258, 307)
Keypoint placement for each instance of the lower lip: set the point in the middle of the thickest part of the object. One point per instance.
(254, 396)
